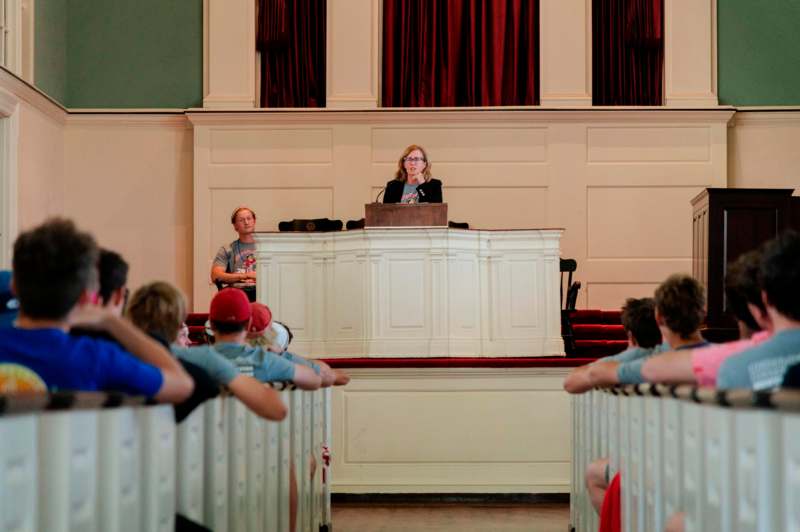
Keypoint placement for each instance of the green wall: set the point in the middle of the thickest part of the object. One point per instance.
(50, 48)
(135, 53)
(759, 52)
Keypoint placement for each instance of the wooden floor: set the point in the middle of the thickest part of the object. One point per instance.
(446, 517)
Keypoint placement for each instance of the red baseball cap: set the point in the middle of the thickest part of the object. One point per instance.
(230, 305)
(261, 319)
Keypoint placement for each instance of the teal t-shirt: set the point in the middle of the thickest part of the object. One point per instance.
(295, 359)
(630, 372)
(410, 194)
(220, 369)
(258, 362)
(762, 367)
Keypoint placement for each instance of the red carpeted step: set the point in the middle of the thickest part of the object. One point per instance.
(196, 318)
(611, 317)
(591, 331)
(599, 348)
(197, 334)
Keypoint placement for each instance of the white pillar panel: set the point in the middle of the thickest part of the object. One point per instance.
(690, 53)
(353, 54)
(565, 53)
(229, 54)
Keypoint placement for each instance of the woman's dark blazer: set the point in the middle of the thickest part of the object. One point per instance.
(429, 192)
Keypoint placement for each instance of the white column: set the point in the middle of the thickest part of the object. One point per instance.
(353, 53)
(690, 53)
(566, 52)
(229, 54)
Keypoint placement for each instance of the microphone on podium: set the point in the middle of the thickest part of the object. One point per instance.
(383, 189)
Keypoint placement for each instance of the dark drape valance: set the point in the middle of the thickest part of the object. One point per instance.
(291, 39)
(627, 52)
(445, 53)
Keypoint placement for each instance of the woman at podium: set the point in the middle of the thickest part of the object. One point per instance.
(413, 182)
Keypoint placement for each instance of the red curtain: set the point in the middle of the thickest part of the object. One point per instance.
(291, 39)
(448, 53)
(627, 52)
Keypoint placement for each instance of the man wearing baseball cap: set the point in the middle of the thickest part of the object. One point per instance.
(230, 316)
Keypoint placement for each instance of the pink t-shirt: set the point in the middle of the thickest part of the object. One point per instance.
(707, 361)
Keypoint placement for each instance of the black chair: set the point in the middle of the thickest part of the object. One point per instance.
(568, 303)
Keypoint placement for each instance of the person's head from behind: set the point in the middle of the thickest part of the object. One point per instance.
(159, 309)
(229, 315)
(743, 293)
(243, 220)
(282, 337)
(639, 322)
(113, 274)
(779, 275)
(413, 163)
(55, 268)
(259, 332)
(680, 307)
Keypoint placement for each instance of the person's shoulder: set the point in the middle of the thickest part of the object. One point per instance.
(435, 182)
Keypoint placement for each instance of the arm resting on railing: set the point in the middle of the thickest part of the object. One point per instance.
(258, 397)
(674, 367)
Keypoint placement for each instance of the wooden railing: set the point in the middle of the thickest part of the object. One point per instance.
(729, 459)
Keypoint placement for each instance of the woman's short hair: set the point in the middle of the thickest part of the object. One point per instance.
(158, 308)
(401, 174)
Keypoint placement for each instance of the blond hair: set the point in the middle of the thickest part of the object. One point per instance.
(158, 308)
(401, 174)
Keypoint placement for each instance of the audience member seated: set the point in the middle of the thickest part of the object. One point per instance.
(159, 308)
(700, 366)
(680, 311)
(762, 367)
(230, 317)
(639, 322)
(276, 337)
(112, 292)
(54, 279)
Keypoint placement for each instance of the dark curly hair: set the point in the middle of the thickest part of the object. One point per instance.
(780, 273)
(681, 302)
(639, 318)
(53, 264)
(742, 287)
(113, 271)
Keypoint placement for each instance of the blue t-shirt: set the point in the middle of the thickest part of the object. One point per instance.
(630, 371)
(66, 362)
(761, 367)
(219, 368)
(257, 361)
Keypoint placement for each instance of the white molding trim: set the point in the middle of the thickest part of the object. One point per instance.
(9, 174)
(566, 101)
(32, 96)
(766, 117)
(145, 119)
(647, 115)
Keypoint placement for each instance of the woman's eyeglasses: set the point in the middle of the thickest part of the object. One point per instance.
(414, 159)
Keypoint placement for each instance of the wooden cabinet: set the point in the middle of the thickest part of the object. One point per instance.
(727, 222)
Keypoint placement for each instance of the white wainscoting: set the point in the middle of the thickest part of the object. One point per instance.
(415, 291)
(452, 430)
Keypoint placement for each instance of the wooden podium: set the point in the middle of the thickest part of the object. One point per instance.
(405, 215)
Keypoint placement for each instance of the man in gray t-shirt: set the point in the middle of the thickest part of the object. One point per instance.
(763, 366)
(235, 264)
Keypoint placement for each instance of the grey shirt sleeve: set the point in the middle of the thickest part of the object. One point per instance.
(296, 359)
(274, 368)
(630, 372)
(218, 367)
(221, 258)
